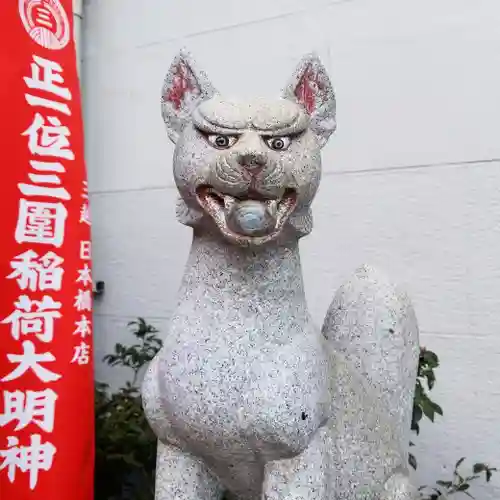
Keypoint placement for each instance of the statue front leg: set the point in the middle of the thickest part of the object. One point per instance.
(181, 476)
(305, 477)
(399, 487)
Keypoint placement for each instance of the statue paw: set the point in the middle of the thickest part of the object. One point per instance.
(399, 487)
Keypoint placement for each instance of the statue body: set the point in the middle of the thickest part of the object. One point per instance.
(247, 396)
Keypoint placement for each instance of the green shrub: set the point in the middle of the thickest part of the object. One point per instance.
(125, 456)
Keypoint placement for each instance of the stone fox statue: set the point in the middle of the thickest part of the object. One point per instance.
(248, 397)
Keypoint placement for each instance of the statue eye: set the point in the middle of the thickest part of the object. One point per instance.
(220, 141)
(278, 143)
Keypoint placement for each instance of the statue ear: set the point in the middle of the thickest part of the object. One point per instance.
(311, 87)
(184, 88)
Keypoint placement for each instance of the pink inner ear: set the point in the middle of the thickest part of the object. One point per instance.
(308, 88)
(183, 83)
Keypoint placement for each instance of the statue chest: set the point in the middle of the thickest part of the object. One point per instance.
(245, 392)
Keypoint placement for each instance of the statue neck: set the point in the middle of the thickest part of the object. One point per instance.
(267, 276)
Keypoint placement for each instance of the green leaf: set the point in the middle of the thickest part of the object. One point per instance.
(417, 413)
(436, 408)
(468, 479)
(489, 474)
(428, 411)
(429, 408)
(459, 463)
(430, 358)
(412, 461)
(479, 467)
(431, 379)
(419, 391)
(446, 484)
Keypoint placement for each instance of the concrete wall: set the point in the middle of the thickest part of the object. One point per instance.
(411, 179)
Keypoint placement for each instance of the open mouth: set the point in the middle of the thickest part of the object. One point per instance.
(249, 219)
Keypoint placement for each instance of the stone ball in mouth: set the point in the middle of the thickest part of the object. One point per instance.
(251, 217)
(247, 217)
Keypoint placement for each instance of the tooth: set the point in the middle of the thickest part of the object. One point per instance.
(272, 207)
(283, 208)
(229, 201)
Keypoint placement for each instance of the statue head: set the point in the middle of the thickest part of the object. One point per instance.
(248, 169)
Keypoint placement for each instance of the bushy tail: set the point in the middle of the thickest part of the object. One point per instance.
(372, 324)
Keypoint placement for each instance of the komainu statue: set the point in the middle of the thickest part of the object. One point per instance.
(248, 398)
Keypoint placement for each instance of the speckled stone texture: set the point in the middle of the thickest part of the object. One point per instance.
(247, 395)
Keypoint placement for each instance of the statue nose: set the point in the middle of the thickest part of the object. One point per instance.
(252, 161)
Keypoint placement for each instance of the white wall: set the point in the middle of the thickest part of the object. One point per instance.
(411, 183)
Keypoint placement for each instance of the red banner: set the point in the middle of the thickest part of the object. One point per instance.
(46, 369)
